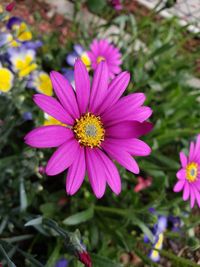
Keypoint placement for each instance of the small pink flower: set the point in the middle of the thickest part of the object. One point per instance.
(102, 50)
(10, 6)
(98, 126)
(189, 175)
(142, 183)
(84, 257)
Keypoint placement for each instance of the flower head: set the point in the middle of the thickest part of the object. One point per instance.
(189, 174)
(22, 60)
(117, 4)
(158, 233)
(102, 50)
(6, 79)
(10, 6)
(142, 183)
(99, 126)
(79, 52)
(40, 81)
(19, 29)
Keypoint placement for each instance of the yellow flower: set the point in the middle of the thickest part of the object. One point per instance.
(6, 79)
(23, 62)
(22, 32)
(86, 60)
(51, 121)
(42, 83)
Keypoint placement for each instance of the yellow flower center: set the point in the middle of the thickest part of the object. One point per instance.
(100, 58)
(89, 130)
(192, 172)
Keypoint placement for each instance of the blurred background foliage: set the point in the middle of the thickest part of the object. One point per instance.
(113, 227)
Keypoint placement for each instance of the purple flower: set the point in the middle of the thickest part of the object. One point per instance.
(62, 263)
(102, 50)
(189, 174)
(101, 126)
(79, 52)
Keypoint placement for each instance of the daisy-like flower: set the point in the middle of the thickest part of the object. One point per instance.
(102, 50)
(189, 174)
(100, 127)
(22, 60)
(40, 81)
(79, 52)
(6, 79)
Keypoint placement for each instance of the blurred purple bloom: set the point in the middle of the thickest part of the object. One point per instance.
(69, 74)
(13, 21)
(62, 263)
(175, 223)
(117, 4)
(27, 116)
(78, 52)
(33, 44)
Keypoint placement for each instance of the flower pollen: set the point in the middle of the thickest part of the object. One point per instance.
(192, 171)
(100, 58)
(89, 130)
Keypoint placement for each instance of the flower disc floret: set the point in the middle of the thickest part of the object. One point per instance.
(89, 130)
(192, 172)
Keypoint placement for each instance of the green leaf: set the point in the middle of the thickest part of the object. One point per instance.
(96, 6)
(5, 255)
(101, 261)
(80, 217)
(35, 221)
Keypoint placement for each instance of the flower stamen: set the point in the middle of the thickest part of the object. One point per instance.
(192, 172)
(89, 130)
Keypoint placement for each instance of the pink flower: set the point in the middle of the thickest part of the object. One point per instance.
(189, 175)
(10, 6)
(102, 50)
(142, 183)
(99, 126)
(84, 257)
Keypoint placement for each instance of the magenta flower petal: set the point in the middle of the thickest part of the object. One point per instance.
(52, 107)
(127, 108)
(181, 174)
(96, 172)
(115, 90)
(65, 93)
(99, 86)
(134, 146)
(62, 158)
(48, 136)
(186, 191)
(112, 174)
(197, 196)
(192, 198)
(121, 156)
(129, 129)
(179, 186)
(82, 85)
(76, 173)
(183, 159)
